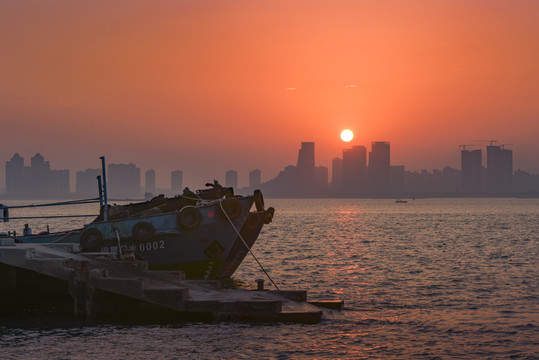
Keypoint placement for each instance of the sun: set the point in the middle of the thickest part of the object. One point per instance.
(347, 135)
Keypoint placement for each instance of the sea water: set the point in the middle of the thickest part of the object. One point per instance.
(426, 279)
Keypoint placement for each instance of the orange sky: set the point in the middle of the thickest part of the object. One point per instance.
(208, 86)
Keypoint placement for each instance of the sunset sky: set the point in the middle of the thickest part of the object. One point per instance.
(208, 86)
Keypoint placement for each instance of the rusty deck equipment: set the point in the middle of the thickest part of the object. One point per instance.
(94, 286)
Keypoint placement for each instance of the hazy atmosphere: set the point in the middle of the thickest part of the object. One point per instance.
(210, 86)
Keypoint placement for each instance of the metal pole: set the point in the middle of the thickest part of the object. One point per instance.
(106, 207)
(99, 185)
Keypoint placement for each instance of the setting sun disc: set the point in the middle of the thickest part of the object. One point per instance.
(347, 135)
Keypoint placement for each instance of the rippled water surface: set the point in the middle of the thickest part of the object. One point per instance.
(428, 279)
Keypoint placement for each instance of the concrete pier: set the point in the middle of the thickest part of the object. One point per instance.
(94, 286)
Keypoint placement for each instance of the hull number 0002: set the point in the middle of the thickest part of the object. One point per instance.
(151, 245)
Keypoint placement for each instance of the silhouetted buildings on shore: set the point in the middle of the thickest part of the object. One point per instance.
(495, 179)
(359, 173)
(302, 180)
(37, 181)
(356, 175)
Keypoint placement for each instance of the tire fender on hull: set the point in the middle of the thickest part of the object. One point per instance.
(189, 218)
(90, 239)
(231, 207)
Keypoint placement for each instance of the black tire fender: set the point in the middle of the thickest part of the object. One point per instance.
(231, 207)
(90, 239)
(189, 218)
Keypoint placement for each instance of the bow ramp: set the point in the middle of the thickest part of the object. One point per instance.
(99, 287)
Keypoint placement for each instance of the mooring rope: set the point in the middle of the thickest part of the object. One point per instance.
(247, 246)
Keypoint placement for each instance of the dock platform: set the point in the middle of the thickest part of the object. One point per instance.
(92, 286)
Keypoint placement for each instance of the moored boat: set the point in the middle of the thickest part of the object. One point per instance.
(206, 233)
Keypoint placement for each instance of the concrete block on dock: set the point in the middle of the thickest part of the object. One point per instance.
(294, 295)
(54, 267)
(257, 310)
(15, 255)
(200, 306)
(167, 296)
(329, 304)
(170, 275)
(206, 284)
(139, 265)
(7, 242)
(122, 286)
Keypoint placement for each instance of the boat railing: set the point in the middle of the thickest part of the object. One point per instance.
(5, 210)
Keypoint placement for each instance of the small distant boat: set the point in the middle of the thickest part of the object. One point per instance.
(399, 201)
(205, 234)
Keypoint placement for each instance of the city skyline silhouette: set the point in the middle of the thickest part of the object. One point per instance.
(359, 172)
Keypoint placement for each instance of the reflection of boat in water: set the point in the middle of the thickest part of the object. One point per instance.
(206, 234)
(399, 201)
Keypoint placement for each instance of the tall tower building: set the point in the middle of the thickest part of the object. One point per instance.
(123, 180)
(398, 183)
(38, 179)
(231, 179)
(336, 173)
(255, 179)
(176, 182)
(149, 182)
(380, 168)
(15, 176)
(470, 167)
(321, 176)
(354, 170)
(305, 166)
(499, 169)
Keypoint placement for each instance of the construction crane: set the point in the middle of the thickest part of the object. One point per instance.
(485, 141)
(464, 146)
(503, 145)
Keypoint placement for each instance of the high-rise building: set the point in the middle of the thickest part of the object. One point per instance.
(296, 181)
(149, 181)
(499, 169)
(321, 176)
(123, 181)
(354, 170)
(15, 176)
(336, 173)
(86, 182)
(255, 179)
(36, 181)
(176, 182)
(231, 178)
(398, 184)
(470, 166)
(306, 163)
(380, 168)
(37, 178)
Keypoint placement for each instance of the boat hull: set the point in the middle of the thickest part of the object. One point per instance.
(210, 250)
